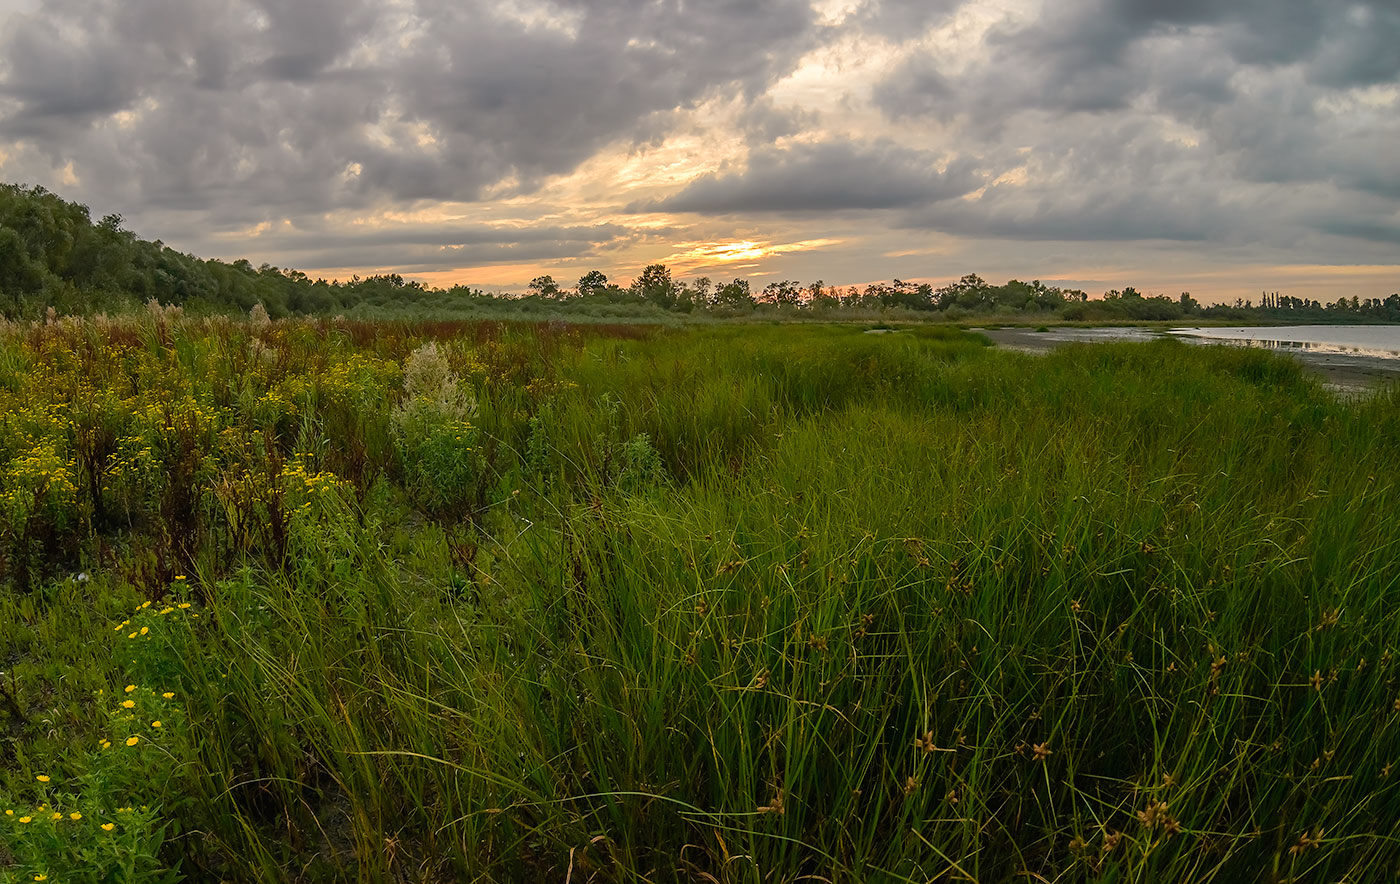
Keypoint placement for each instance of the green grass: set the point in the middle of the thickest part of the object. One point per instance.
(729, 603)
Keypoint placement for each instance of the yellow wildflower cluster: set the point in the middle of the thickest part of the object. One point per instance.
(42, 474)
(150, 704)
(355, 377)
(52, 814)
(133, 461)
(305, 486)
(136, 630)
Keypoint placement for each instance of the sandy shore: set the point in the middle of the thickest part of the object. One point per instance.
(1344, 373)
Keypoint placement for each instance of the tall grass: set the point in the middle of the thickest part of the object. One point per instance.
(743, 604)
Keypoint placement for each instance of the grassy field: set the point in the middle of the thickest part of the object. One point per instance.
(361, 601)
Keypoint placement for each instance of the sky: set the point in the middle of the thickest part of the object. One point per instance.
(1221, 148)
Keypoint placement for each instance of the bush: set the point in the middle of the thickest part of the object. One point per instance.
(434, 437)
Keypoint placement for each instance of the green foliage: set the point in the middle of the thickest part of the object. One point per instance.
(656, 286)
(434, 436)
(53, 257)
(64, 839)
(639, 464)
(100, 820)
(741, 603)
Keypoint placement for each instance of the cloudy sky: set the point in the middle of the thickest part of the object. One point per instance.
(1215, 147)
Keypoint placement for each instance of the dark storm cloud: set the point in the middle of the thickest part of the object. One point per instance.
(258, 107)
(824, 178)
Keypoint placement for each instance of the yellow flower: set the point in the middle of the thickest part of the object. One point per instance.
(144, 605)
(106, 744)
(57, 815)
(145, 629)
(43, 778)
(127, 704)
(25, 819)
(107, 827)
(164, 611)
(183, 605)
(130, 688)
(75, 815)
(179, 576)
(132, 741)
(9, 813)
(133, 635)
(155, 724)
(169, 695)
(41, 877)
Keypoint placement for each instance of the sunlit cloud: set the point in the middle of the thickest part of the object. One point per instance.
(703, 255)
(1220, 148)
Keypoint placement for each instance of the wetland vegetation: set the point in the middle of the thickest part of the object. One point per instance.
(323, 600)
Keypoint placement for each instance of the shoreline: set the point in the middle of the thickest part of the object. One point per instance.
(1350, 374)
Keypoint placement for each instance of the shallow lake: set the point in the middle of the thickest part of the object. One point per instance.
(1379, 341)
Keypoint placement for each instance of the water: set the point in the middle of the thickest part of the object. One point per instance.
(1064, 335)
(1353, 359)
(1375, 341)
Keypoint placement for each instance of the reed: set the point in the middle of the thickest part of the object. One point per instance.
(738, 604)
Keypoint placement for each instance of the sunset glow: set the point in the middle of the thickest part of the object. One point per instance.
(842, 140)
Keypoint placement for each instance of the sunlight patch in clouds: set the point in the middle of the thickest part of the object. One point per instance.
(693, 256)
(541, 16)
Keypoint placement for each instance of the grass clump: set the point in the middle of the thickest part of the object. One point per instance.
(735, 604)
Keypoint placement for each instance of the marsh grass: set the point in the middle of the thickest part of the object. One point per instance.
(737, 604)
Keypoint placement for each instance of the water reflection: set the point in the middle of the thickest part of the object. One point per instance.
(1377, 341)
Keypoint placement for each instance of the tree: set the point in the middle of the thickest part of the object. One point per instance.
(734, 296)
(544, 286)
(591, 283)
(784, 294)
(655, 285)
(914, 296)
(822, 298)
(702, 291)
(970, 292)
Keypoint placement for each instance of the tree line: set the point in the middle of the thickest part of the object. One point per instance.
(53, 255)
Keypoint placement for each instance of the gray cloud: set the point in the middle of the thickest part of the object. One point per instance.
(1262, 126)
(825, 177)
(425, 248)
(418, 258)
(53, 78)
(438, 236)
(255, 108)
(1112, 180)
(1260, 90)
(1374, 231)
(902, 18)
